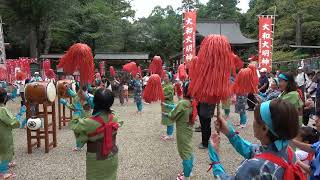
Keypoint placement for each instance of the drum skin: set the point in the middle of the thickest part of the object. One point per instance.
(40, 92)
(62, 87)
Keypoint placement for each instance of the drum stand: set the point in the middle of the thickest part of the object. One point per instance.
(48, 128)
(63, 119)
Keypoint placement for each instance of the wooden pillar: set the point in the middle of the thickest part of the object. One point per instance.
(63, 118)
(28, 115)
(46, 127)
(59, 112)
(54, 127)
(64, 115)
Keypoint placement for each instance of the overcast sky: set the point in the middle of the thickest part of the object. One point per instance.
(144, 7)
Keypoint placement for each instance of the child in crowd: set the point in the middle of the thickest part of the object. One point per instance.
(310, 136)
(126, 91)
(240, 108)
(273, 159)
(99, 133)
(7, 123)
(166, 107)
(137, 90)
(184, 115)
(82, 105)
(314, 169)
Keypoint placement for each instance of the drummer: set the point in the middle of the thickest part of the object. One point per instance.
(36, 77)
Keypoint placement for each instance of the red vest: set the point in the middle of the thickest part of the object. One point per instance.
(291, 171)
(106, 129)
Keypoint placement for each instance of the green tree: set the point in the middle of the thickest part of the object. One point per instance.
(222, 10)
(161, 32)
(286, 31)
(97, 22)
(35, 17)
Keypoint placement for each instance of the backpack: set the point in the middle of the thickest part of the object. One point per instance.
(291, 171)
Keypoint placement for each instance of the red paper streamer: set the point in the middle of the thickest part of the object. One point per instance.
(153, 92)
(79, 57)
(112, 71)
(20, 76)
(139, 70)
(130, 68)
(191, 66)
(182, 72)
(3, 72)
(245, 83)
(50, 74)
(156, 66)
(211, 76)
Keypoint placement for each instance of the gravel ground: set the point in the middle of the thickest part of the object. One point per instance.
(141, 153)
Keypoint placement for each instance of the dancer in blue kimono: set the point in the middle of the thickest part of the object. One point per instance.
(137, 90)
(240, 108)
(271, 159)
(82, 105)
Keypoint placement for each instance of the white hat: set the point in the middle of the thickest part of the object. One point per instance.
(36, 73)
(263, 70)
(300, 68)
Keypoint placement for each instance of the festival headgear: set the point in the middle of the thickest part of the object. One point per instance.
(245, 82)
(210, 77)
(139, 71)
(266, 118)
(153, 91)
(3, 72)
(112, 71)
(237, 61)
(50, 74)
(283, 77)
(79, 57)
(191, 66)
(131, 68)
(182, 72)
(156, 66)
(20, 76)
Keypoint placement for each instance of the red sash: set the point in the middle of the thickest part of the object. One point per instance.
(106, 129)
(291, 171)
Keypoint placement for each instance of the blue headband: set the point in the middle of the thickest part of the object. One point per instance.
(266, 118)
(284, 77)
